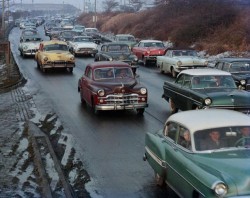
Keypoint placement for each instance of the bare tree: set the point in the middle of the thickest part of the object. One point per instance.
(109, 5)
(137, 4)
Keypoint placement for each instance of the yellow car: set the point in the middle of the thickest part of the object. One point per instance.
(54, 54)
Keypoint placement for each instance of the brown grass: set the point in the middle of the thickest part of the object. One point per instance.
(211, 25)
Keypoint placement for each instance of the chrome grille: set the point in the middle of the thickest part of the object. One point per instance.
(122, 99)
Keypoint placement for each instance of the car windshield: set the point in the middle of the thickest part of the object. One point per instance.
(240, 67)
(56, 47)
(184, 53)
(154, 44)
(236, 137)
(125, 38)
(112, 73)
(32, 39)
(201, 82)
(118, 48)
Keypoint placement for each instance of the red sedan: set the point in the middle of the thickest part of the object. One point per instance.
(112, 85)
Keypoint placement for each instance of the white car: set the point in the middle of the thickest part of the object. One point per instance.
(83, 45)
(176, 60)
(29, 44)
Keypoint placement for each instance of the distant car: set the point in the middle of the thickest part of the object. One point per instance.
(112, 86)
(196, 171)
(29, 43)
(79, 29)
(67, 35)
(54, 32)
(116, 51)
(176, 60)
(239, 68)
(204, 89)
(148, 50)
(126, 38)
(94, 33)
(54, 54)
(83, 45)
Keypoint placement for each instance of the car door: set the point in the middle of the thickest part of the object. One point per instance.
(86, 88)
(166, 65)
(177, 160)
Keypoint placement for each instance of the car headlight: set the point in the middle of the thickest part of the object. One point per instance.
(220, 189)
(179, 63)
(25, 47)
(72, 58)
(206, 63)
(143, 90)
(45, 58)
(110, 59)
(101, 92)
(208, 101)
(135, 59)
(242, 82)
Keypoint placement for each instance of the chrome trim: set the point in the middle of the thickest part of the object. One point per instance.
(155, 157)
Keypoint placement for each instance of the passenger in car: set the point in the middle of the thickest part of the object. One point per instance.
(213, 141)
(187, 140)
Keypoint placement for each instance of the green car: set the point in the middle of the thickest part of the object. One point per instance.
(202, 153)
(205, 89)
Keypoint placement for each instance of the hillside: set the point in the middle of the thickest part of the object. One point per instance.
(209, 25)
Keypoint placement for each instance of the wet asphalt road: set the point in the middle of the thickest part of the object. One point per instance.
(110, 145)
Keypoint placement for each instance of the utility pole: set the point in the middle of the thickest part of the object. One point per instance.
(95, 14)
(3, 20)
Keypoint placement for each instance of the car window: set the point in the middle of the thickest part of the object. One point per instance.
(222, 138)
(241, 66)
(219, 65)
(187, 82)
(226, 67)
(184, 138)
(171, 130)
(180, 79)
(123, 73)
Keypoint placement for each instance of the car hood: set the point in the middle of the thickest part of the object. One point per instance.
(190, 60)
(58, 55)
(156, 50)
(232, 167)
(87, 45)
(227, 97)
(121, 56)
(31, 45)
(117, 85)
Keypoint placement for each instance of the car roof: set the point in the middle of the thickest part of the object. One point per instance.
(108, 64)
(115, 43)
(233, 59)
(206, 72)
(124, 35)
(53, 42)
(203, 119)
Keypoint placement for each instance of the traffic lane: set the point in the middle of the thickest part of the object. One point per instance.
(115, 136)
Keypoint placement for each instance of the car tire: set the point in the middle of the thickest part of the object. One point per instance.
(173, 72)
(70, 70)
(140, 111)
(37, 65)
(161, 69)
(145, 62)
(82, 100)
(172, 106)
(44, 70)
(159, 180)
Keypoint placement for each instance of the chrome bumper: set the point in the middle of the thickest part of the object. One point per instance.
(120, 106)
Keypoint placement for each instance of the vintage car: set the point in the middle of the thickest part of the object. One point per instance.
(94, 33)
(54, 32)
(176, 60)
(126, 38)
(67, 35)
(79, 28)
(116, 51)
(181, 158)
(83, 45)
(112, 86)
(239, 68)
(29, 43)
(54, 54)
(203, 89)
(148, 50)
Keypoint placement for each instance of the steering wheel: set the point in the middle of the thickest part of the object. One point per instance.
(244, 141)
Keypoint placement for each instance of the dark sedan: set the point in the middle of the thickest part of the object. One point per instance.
(239, 68)
(203, 89)
(112, 86)
(115, 51)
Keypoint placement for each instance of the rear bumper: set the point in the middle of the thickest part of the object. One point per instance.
(58, 66)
